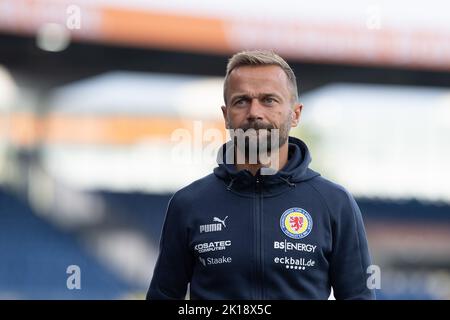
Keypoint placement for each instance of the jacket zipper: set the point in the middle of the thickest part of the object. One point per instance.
(259, 255)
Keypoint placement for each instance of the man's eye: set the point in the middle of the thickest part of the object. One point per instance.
(269, 100)
(240, 102)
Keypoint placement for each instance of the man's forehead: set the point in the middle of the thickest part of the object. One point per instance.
(265, 78)
(267, 73)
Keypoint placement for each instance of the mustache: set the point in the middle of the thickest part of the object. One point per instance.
(257, 125)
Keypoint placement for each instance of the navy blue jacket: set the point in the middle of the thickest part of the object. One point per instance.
(291, 235)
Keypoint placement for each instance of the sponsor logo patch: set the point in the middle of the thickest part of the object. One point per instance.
(212, 246)
(296, 264)
(289, 246)
(214, 227)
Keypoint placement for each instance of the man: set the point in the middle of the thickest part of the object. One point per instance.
(241, 233)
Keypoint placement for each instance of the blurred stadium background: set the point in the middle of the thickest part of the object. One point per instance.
(93, 93)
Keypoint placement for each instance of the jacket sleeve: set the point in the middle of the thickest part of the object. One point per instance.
(350, 256)
(173, 268)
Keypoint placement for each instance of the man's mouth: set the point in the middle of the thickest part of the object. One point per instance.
(258, 127)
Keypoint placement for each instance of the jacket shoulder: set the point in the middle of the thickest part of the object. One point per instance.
(335, 196)
(195, 190)
(328, 187)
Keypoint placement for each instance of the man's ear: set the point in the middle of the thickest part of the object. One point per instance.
(225, 118)
(296, 113)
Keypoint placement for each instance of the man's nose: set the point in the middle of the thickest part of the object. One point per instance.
(255, 111)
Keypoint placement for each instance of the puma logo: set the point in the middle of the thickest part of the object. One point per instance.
(213, 227)
(221, 221)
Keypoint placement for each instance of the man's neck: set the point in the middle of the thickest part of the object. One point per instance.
(282, 153)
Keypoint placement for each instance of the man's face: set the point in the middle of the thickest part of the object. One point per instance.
(260, 97)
